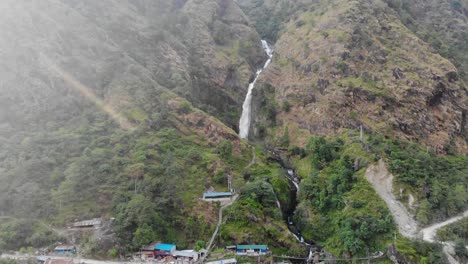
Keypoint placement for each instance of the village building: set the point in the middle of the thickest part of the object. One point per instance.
(147, 252)
(231, 248)
(186, 256)
(64, 250)
(164, 250)
(217, 195)
(88, 223)
(160, 252)
(251, 250)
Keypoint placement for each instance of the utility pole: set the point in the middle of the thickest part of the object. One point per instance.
(361, 136)
(229, 178)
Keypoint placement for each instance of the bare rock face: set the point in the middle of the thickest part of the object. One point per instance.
(395, 256)
(367, 68)
(202, 50)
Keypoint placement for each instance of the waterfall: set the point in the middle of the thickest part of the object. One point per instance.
(293, 179)
(244, 122)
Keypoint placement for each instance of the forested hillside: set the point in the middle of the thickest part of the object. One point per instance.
(376, 80)
(100, 114)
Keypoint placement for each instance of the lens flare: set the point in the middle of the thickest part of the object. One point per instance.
(89, 94)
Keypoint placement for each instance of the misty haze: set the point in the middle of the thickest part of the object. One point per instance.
(233, 131)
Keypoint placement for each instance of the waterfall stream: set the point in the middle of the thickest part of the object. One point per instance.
(244, 122)
(292, 178)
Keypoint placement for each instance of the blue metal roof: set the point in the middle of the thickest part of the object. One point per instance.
(165, 247)
(264, 247)
(216, 194)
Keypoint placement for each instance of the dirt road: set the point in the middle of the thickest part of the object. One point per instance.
(382, 181)
(429, 232)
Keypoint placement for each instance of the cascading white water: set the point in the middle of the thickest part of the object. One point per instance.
(244, 122)
(293, 179)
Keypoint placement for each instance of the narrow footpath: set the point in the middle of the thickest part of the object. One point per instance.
(220, 213)
(220, 221)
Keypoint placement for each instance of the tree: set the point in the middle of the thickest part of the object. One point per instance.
(423, 214)
(136, 172)
(225, 149)
(200, 244)
(143, 235)
(460, 249)
(284, 140)
(286, 106)
(321, 151)
(352, 243)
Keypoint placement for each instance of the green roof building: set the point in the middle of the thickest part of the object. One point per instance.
(251, 249)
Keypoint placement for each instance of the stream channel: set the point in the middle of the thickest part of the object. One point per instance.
(288, 210)
(244, 126)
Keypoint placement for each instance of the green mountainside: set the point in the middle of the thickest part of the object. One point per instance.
(94, 121)
(129, 110)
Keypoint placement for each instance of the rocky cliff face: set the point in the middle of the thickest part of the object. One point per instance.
(350, 63)
(205, 52)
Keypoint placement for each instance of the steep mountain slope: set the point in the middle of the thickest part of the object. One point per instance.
(128, 110)
(356, 74)
(95, 118)
(269, 16)
(442, 24)
(159, 47)
(352, 63)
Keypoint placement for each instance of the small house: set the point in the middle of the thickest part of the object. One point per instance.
(164, 250)
(217, 195)
(251, 249)
(64, 250)
(186, 256)
(231, 248)
(147, 252)
(88, 223)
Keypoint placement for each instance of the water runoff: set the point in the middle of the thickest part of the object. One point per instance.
(244, 122)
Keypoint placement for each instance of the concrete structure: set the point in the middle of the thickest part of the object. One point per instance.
(251, 249)
(88, 223)
(186, 256)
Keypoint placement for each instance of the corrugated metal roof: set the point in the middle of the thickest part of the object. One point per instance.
(184, 253)
(165, 247)
(252, 247)
(216, 194)
(92, 222)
